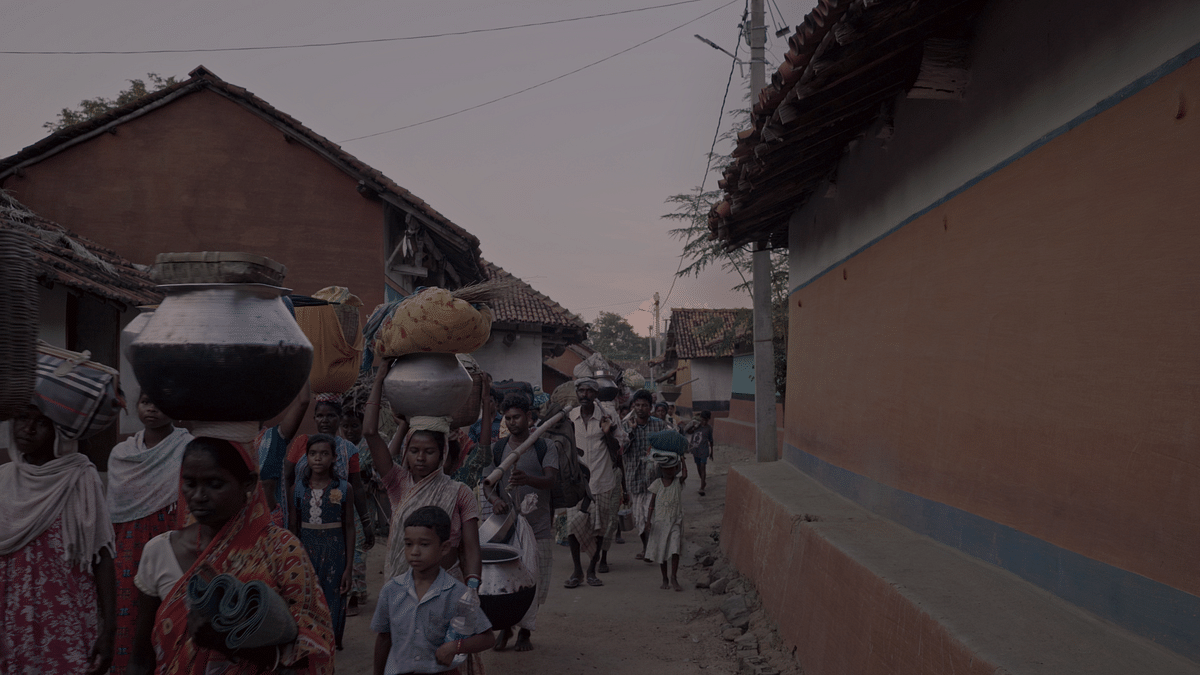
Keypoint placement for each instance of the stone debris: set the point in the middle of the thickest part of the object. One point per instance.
(719, 586)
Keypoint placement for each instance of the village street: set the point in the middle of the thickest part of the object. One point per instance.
(627, 626)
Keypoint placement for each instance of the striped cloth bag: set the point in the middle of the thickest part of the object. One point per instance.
(80, 396)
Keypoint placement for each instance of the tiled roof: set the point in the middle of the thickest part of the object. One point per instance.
(845, 62)
(707, 333)
(200, 78)
(527, 305)
(66, 258)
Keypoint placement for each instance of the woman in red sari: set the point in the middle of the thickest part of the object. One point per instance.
(229, 532)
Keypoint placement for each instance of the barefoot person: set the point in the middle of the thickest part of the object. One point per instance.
(700, 442)
(591, 527)
(533, 474)
(666, 505)
(636, 460)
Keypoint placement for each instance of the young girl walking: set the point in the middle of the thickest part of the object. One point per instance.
(323, 518)
(666, 505)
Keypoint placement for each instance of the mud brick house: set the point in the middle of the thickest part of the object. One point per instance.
(990, 447)
(529, 328)
(205, 165)
(87, 293)
(701, 345)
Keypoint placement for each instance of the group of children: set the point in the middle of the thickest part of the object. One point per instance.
(414, 609)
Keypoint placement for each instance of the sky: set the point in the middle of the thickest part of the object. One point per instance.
(581, 166)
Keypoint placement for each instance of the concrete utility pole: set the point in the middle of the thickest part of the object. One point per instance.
(764, 352)
(657, 335)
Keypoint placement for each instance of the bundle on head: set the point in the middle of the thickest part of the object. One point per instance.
(438, 320)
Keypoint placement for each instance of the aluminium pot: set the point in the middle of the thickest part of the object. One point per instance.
(428, 384)
(221, 352)
(507, 588)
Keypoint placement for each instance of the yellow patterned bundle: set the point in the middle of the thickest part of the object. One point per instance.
(433, 321)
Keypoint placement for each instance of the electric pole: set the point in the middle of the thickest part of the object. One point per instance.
(657, 335)
(764, 352)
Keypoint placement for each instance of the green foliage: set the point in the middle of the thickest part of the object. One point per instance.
(700, 251)
(612, 336)
(92, 107)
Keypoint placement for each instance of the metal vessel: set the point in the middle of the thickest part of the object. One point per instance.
(221, 352)
(507, 588)
(134, 328)
(608, 387)
(428, 384)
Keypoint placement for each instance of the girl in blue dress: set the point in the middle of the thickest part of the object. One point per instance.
(323, 518)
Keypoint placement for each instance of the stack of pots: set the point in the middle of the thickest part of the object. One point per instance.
(222, 345)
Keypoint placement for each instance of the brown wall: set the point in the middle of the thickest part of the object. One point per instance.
(1028, 351)
(204, 174)
(737, 429)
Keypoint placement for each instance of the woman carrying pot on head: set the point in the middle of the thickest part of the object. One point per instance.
(57, 585)
(231, 532)
(419, 480)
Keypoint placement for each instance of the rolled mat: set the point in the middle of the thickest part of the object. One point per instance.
(248, 614)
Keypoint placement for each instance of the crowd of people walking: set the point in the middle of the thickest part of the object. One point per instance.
(97, 577)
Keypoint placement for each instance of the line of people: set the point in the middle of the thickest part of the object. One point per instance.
(90, 579)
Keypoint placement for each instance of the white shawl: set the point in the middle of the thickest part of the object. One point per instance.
(66, 487)
(143, 480)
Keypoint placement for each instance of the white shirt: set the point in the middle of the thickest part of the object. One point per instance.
(158, 570)
(590, 440)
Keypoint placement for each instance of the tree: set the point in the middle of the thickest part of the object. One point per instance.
(700, 250)
(92, 107)
(612, 336)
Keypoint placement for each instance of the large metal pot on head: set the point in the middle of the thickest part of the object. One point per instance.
(429, 384)
(221, 352)
(507, 588)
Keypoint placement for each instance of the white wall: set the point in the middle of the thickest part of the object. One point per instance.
(1035, 66)
(522, 360)
(129, 422)
(715, 381)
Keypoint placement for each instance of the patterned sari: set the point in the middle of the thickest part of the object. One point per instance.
(250, 547)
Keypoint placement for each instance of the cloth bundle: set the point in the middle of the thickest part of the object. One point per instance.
(335, 361)
(433, 320)
(249, 615)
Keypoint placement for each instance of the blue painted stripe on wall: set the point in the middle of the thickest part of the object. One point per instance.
(1127, 91)
(1166, 615)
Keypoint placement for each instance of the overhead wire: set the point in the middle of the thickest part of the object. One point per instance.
(716, 135)
(353, 42)
(539, 84)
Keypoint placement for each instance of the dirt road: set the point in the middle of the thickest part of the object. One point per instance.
(629, 625)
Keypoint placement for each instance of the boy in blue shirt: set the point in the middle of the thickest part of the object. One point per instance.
(415, 608)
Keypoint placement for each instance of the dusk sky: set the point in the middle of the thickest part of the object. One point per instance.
(580, 166)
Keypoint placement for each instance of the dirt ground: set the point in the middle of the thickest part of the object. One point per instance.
(629, 625)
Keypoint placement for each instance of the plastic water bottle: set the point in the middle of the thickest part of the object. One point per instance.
(462, 626)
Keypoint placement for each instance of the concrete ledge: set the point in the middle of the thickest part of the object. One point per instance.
(858, 594)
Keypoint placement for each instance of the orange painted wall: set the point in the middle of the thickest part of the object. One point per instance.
(1030, 351)
(737, 429)
(203, 174)
(839, 616)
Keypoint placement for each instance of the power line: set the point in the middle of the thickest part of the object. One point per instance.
(360, 42)
(716, 134)
(540, 84)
